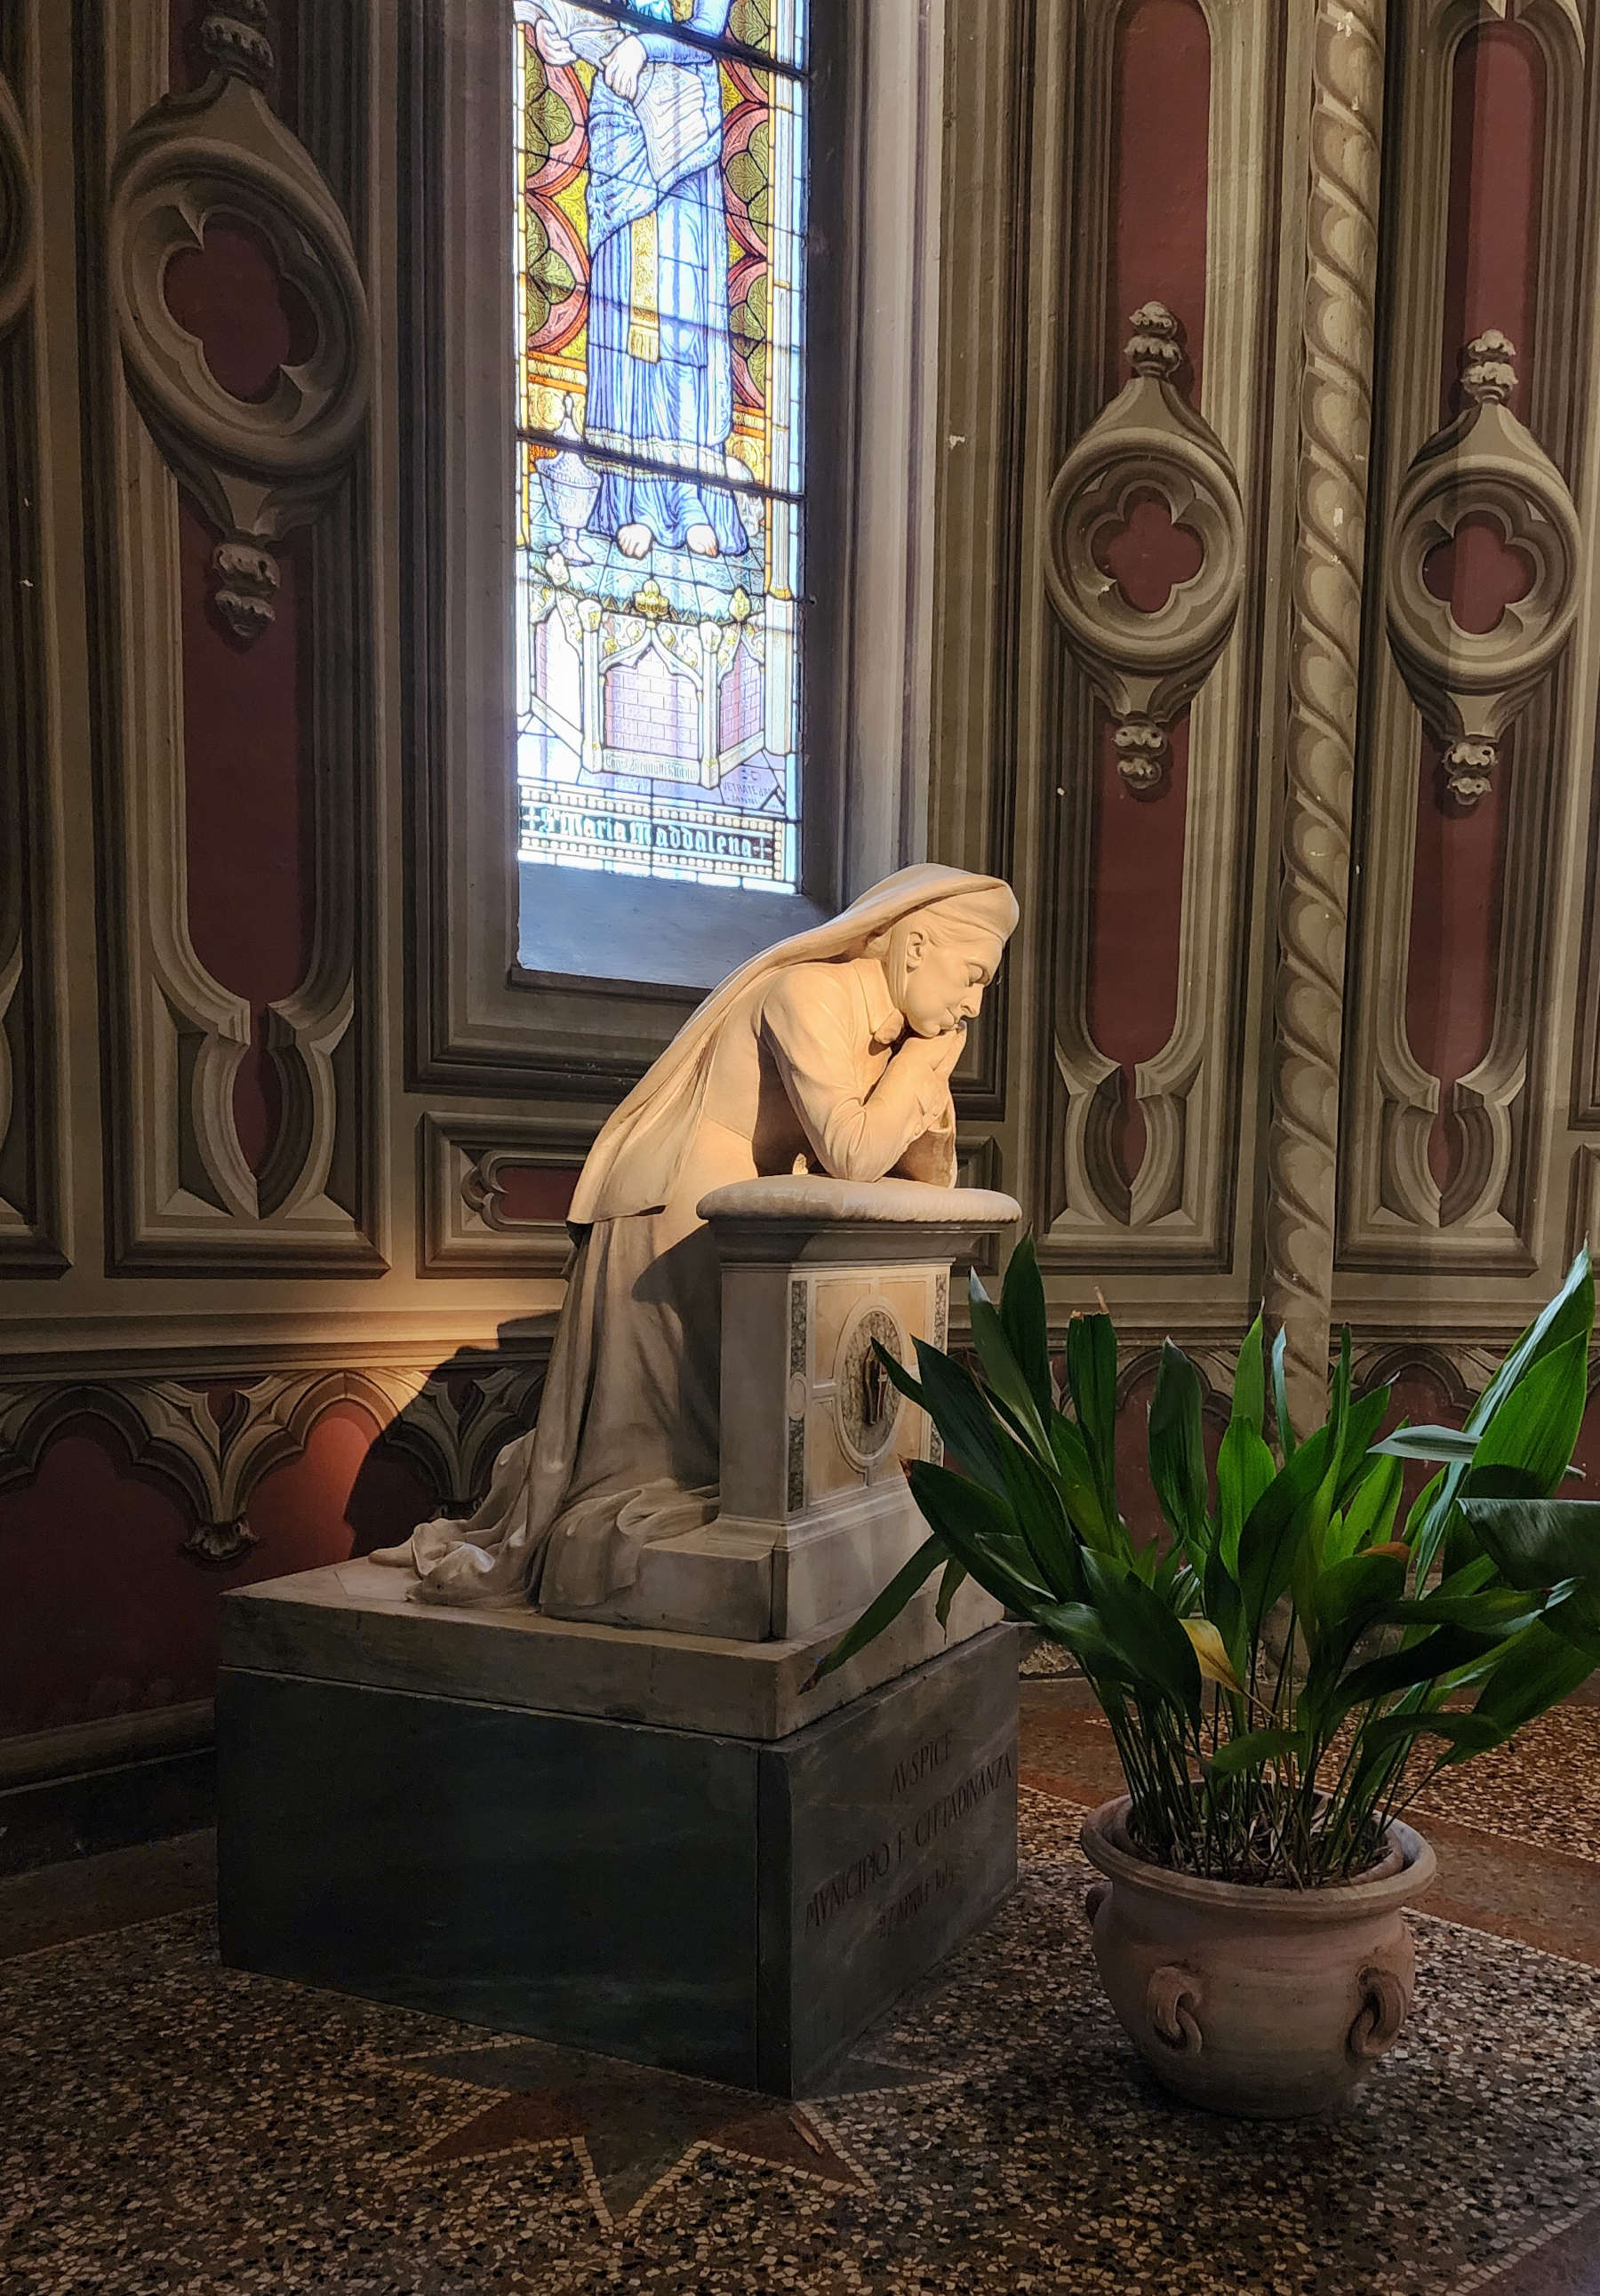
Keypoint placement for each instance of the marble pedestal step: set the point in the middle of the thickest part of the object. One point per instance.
(353, 1622)
(405, 1813)
(825, 1568)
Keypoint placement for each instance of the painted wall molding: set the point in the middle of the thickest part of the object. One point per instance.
(181, 1194)
(1469, 685)
(1146, 666)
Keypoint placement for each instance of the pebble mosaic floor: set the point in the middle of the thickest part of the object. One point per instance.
(168, 2126)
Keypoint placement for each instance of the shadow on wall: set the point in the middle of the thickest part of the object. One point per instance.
(450, 1434)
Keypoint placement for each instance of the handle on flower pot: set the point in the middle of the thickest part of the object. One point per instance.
(1094, 1898)
(1171, 1999)
(1384, 2001)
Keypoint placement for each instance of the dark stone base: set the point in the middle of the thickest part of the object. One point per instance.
(733, 1908)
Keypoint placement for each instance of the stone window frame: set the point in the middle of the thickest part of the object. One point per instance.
(478, 1021)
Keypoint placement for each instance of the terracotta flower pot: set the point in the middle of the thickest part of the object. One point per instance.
(1265, 2003)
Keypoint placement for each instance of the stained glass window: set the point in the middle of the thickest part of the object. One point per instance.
(659, 234)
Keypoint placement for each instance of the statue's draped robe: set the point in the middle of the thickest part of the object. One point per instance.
(660, 355)
(790, 1060)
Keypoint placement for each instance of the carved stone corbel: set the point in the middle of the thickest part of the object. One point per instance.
(1145, 667)
(256, 469)
(1469, 685)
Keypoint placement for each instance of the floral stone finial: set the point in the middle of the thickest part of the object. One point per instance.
(1156, 345)
(1488, 368)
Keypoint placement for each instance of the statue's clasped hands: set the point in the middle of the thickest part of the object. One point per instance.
(935, 1056)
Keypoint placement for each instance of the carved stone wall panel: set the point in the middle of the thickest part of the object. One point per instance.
(32, 1212)
(1213, 464)
(467, 1226)
(1466, 688)
(182, 1196)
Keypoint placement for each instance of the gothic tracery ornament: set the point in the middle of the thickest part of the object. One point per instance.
(1469, 685)
(256, 469)
(1146, 666)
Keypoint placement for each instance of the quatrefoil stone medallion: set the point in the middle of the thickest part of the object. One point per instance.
(1146, 665)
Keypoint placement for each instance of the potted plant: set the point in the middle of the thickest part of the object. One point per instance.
(1282, 1674)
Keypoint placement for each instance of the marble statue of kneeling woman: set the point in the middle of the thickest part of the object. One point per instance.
(831, 1052)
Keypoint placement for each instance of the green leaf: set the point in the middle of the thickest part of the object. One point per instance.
(1245, 1469)
(1533, 1673)
(1494, 1611)
(1466, 1733)
(1255, 1747)
(1438, 1654)
(1537, 1425)
(1280, 1397)
(1361, 1422)
(1277, 1525)
(1144, 1633)
(949, 1586)
(1249, 1381)
(954, 1401)
(1092, 1379)
(1348, 1594)
(1001, 1368)
(1176, 1452)
(1436, 1444)
(980, 1531)
(1077, 1628)
(1035, 1502)
(1536, 1542)
(1569, 1316)
(1348, 1598)
(1367, 1517)
(1075, 1479)
(1025, 1320)
(1225, 1606)
(884, 1610)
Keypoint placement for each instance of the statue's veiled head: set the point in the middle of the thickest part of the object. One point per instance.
(939, 960)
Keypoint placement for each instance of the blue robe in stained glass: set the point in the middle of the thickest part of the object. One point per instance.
(660, 378)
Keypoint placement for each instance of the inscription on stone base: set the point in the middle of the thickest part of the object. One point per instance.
(901, 1815)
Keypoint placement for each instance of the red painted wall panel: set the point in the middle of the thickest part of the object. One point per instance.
(245, 722)
(1497, 164)
(1160, 100)
(1158, 194)
(1497, 160)
(248, 805)
(106, 1614)
(534, 1191)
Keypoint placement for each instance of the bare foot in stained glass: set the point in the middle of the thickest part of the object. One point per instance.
(635, 541)
(703, 542)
